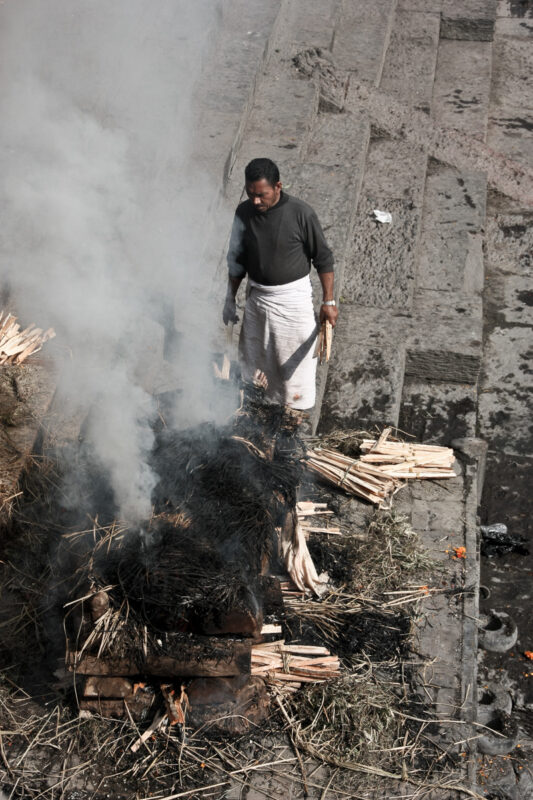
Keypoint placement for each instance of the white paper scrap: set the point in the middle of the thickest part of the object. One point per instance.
(382, 216)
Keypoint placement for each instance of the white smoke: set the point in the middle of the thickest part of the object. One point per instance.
(103, 215)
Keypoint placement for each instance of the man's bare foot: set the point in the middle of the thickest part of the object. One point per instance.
(260, 379)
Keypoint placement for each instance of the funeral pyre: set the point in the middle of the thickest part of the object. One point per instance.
(212, 615)
(173, 615)
(186, 597)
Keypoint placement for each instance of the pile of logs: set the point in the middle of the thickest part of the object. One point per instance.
(306, 510)
(407, 460)
(352, 475)
(378, 473)
(290, 665)
(17, 345)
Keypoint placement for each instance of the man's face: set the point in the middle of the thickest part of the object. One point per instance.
(262, 194)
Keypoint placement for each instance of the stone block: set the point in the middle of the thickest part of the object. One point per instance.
(409, 67)
(333, 194)
(512, 67)
(365, 374)
(395, 170)
(509, 244)
(311, 22)
(279, 123)
(462, 86)
(227, 85)
(361, 37)
(450, 249)
(442, 365)
(427, 6)
(521, 27)
(510, 132)
(380, 264)
(447, 320)
(505, 399)
(469, 19)
(437, 412)
(340, 140)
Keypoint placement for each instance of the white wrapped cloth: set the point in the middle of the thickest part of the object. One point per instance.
(278, 336)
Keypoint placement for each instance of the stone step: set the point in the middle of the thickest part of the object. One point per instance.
(409, 67)
(450, 252)
(462, 86)
(437, 411)
(227, 87)
(510, 127)
(285, 102)
(507, 381)
(471, 20)
(365, 375)
(380, 268)
(362, 36)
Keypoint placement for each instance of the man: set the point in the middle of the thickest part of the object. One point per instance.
(274, 239)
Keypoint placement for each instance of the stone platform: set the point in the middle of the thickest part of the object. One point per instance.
(421, 108)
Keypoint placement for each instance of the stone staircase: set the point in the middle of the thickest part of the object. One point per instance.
(413, 127)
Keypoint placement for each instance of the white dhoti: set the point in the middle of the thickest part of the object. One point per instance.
(278, 336)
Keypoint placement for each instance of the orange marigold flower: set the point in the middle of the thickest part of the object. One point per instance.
(460, 552)
(529, 654)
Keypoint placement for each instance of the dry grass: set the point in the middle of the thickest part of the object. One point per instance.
(358, 728)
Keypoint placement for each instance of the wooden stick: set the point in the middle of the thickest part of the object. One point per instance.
(157, 722)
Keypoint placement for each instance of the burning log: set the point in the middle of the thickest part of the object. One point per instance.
(190, 657)
(176, 707)
(17, 345)
(230, 705)
(136, 706)
(244, 617)
(108, 688)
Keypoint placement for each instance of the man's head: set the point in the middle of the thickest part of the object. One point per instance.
(263, 185)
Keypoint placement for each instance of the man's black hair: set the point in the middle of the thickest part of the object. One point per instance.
(259, 168)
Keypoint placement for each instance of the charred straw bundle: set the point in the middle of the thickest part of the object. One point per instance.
(406, 459)
(17, 345)
(181, 582)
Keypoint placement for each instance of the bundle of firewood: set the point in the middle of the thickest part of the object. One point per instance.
(290, 665)
(306, 510)
(17, 345)
(352, 475)
(407, 460)
(323, 345)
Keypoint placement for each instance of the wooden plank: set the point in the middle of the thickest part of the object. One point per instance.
(210, 657)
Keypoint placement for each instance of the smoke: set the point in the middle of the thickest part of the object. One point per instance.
(104, 213)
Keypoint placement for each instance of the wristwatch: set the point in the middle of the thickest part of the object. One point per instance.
(329, 303)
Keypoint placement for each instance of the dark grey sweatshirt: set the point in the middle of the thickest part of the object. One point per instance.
(277, 246)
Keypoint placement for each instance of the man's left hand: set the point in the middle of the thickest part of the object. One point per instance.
(329, 313)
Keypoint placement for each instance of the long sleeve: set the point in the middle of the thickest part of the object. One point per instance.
(316, 246)
(235, 256)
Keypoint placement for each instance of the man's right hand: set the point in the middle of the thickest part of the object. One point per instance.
(229, 312)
